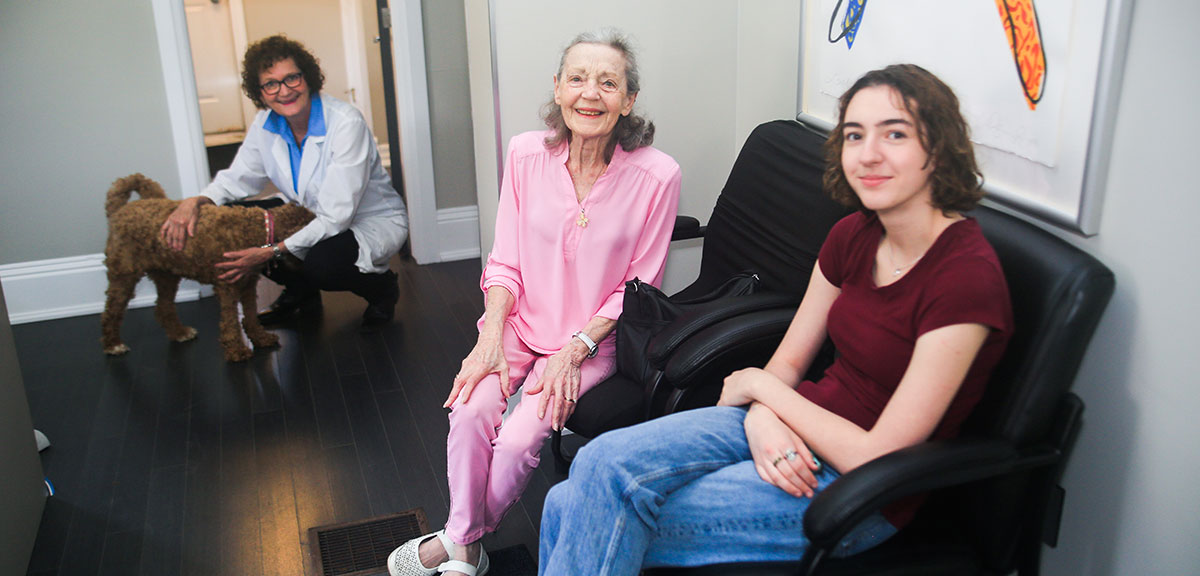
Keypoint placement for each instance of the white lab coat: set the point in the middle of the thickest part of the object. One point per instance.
(342, 181)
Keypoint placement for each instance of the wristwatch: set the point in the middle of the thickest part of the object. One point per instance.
(591, 344)
(276, 253)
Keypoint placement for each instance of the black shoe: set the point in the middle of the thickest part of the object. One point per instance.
(288, 304)
(382, 309)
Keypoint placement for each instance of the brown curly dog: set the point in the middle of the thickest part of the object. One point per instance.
(135, 249)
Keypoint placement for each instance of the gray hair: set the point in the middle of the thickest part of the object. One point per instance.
(632, 131)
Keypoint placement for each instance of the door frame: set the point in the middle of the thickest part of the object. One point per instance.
(412, 103)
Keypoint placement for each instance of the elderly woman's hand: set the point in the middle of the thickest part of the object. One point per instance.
(181, 224)
(560, 385)
(485, 358)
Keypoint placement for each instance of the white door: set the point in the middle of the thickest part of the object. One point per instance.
(218, 83)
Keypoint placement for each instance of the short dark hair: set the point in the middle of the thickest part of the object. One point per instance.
(265, 53)
(956, 180)
(632, 131)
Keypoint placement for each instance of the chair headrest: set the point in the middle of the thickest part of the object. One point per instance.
(773, 214)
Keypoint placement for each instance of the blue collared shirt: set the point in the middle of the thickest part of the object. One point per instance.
(277, 124)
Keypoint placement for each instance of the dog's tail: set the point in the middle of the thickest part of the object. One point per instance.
(118, 194)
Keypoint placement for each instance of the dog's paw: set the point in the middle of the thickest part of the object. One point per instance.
(117, 350)
(187, 334)
(240, 354)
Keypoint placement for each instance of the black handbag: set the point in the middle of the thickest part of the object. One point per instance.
(647, 311)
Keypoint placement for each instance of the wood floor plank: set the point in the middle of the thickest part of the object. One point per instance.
(84, 543)
(201, 553)
(131, 485)
(377, 361)
(66, 420)
(162, 543)
(309, 466)
(416, 473)
(122, 554)
(240, 542)
(384, 489)
(349, 491)
(279, 529)
(90, 493)
(209, 391)
(427, 368)
(325, 389)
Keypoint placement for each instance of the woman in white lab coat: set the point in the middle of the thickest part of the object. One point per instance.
(319, 153)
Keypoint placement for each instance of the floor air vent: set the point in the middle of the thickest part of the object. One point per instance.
(361, 548)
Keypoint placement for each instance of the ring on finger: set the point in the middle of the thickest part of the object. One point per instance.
(790, 455)
(777, 460)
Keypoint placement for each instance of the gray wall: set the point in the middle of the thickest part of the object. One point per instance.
(84, 105)
(1133, 504)
(449, 102)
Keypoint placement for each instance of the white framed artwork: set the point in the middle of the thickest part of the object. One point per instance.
(1037, 80)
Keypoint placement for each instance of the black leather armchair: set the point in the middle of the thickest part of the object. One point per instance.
(994, 494)
(770, 218)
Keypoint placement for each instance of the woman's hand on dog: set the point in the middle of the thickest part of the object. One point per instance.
(243, 263)
(181, 224)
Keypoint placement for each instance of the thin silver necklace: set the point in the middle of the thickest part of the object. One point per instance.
(892, 259)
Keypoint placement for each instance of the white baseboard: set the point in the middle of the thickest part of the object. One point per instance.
(458, 233)
(74, 286)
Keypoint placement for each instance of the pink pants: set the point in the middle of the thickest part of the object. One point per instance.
(488, 461)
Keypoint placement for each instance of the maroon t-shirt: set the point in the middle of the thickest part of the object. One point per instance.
(957, 281)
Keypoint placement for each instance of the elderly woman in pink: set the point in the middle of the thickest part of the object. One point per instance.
(584, 207)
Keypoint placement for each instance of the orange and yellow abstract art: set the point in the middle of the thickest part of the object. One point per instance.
(1025, 39)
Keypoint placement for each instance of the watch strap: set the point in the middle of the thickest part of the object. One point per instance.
(591, 344)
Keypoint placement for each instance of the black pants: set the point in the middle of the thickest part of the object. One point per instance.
(329, 266)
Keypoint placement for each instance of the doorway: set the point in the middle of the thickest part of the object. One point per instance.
(353, 57)
(412, 108)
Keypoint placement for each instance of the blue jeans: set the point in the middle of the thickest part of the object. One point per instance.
(677, 491)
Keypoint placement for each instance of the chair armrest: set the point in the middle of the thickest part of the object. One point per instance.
(732, 337)
(664, 344)
(914, 470)
(687, 227)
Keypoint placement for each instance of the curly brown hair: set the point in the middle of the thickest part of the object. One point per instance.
(632, 131)
(265, 53)
(956, 181)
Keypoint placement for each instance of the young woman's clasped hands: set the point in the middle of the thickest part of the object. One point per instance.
(780, 455)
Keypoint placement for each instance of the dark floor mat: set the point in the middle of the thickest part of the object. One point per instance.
(361, 548)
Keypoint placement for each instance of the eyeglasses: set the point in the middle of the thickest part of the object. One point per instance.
(291, 81)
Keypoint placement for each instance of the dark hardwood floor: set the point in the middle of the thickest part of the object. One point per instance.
(169, 460)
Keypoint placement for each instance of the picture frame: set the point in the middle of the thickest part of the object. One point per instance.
(1038, 82)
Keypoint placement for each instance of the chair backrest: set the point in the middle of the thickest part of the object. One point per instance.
(772, 215)
(1059, 294)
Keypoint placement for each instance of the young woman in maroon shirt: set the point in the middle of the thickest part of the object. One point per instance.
(913, 297)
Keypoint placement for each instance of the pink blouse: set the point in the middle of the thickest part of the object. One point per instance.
(562, 274)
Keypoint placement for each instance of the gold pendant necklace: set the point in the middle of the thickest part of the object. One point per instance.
(582, 221)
